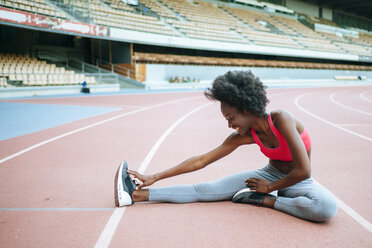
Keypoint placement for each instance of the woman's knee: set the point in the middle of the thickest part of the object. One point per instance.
(325, 210)
(313, 208)
(330, 209)
(323, 204)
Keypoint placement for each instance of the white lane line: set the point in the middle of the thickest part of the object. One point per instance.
(351, 212)
(151, 154)
(89, 126)
(110, 228)
(355, 125)
(55, 209)
(328, 122)
(332, 97)
(362, 95)
(348, 210)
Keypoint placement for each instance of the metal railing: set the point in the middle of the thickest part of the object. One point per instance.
(87, 64)
(48, 79)
(97, 65)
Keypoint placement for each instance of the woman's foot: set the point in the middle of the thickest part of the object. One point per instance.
(254, 198)
(124, 186)
(140, 195)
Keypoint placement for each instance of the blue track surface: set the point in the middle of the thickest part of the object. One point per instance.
(24, 118)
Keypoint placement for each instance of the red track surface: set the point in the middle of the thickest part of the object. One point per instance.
(60, 194)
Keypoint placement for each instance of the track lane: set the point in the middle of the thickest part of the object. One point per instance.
(366, 96)
(345, 154)
(85, 176)
(111, 226)
(223, 224)
(127, 102)
(218, 224)
(351, 102)
(88, 151)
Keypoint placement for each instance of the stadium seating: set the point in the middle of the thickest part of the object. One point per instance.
(184, 18)
(197, 19)
(35, 6)
(159, 9)
(117, 14)
(26, 71)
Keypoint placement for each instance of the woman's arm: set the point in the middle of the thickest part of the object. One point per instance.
(286, 124)
(196, 162)
(301, 168)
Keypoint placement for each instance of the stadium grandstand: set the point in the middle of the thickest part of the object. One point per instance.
(112, 44)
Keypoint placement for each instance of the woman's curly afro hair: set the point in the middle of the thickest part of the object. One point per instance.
(240, 89)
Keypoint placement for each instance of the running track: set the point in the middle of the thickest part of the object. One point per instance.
(56, 185)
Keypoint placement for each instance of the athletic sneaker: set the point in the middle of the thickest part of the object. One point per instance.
(250, 197)
(124, 186)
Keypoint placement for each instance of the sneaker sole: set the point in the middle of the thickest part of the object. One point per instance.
(240, 192)
(122, 198)
(248, 196)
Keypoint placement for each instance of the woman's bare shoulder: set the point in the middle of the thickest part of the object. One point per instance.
(238, 140)
(282, 118)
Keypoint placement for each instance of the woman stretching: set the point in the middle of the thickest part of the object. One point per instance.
(281, 137)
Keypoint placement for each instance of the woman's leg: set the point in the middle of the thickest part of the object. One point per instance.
(220, 190)
(304, 200)
(308, 201)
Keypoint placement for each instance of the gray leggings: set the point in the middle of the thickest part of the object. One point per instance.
(305, 200)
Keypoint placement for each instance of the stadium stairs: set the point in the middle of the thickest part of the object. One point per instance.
(56, 74)
(103, 75)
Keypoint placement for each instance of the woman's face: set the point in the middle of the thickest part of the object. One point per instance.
(239, 121)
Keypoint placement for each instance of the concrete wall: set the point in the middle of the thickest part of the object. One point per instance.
(327, 13)
(160, 74)
(302, 7)
(183, 42)
(309, 9)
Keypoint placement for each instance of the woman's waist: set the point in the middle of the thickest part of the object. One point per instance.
(282, 166)
(285, 166)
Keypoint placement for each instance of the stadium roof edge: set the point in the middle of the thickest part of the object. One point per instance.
(130, 36)
(361, 8)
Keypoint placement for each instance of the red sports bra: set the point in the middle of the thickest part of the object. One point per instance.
(281, 152)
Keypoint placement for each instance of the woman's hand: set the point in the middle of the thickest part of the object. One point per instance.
(146, 180)
(258, 184)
